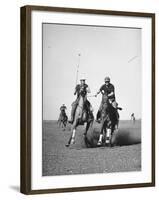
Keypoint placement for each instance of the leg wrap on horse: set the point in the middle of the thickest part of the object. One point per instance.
(100, 139)
(73, 137)
(108, 136)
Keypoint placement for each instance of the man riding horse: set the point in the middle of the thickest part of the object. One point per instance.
(62, 109)
(82, 112)
(63, 117)
(107, 89)
(84, 89)
(108, 111)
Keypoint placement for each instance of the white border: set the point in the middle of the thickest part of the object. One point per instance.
(39, 182)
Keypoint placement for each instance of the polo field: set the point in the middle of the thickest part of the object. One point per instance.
(81, 158)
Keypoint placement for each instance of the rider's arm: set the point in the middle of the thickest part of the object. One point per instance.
(99, 91)
(111, 94)
(112, 91)
(76, 89)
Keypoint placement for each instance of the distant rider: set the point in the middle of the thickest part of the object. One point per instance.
(63, 107)
(107, 89)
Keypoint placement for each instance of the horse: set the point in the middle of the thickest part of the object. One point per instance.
(81, 117)
(109, 122)
(62, 121)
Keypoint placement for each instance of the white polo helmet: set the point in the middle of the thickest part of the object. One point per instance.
(107, 79)
(82, 79)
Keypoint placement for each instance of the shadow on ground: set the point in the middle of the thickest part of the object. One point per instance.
(128, 134)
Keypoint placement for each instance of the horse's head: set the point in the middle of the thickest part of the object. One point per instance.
(105, 105)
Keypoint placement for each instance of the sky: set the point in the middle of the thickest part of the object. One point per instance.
(105, 51)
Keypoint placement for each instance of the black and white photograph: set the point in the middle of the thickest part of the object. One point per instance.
(91, 99)
(88, 116)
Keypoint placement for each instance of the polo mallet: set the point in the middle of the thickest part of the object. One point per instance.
(79, 55)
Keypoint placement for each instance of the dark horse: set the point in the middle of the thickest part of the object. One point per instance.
(82, 116)
(62, 121)
(109, 122)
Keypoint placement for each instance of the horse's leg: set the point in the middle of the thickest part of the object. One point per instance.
(101, 134)
(72, 141)
(108, 136)
(100, 139)
(73, 132)
(86, 125)
(64, 125)
(72, 137)
(108, 132)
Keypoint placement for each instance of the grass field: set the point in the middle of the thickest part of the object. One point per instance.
(78, 159)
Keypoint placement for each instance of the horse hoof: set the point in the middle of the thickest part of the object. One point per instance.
(67, 145)
(99, 144)
(72, 141)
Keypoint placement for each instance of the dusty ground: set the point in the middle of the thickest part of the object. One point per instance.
(77, 159)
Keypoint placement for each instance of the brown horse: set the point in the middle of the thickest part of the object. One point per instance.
(109, 121)
(62, 121)
(81, 117)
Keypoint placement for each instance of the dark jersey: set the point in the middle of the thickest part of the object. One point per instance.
(107, 89)
(78, 88)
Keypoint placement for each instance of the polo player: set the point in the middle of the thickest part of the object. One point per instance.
(107, 89)
(63, 107)
(84, 88)
(63, 110)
